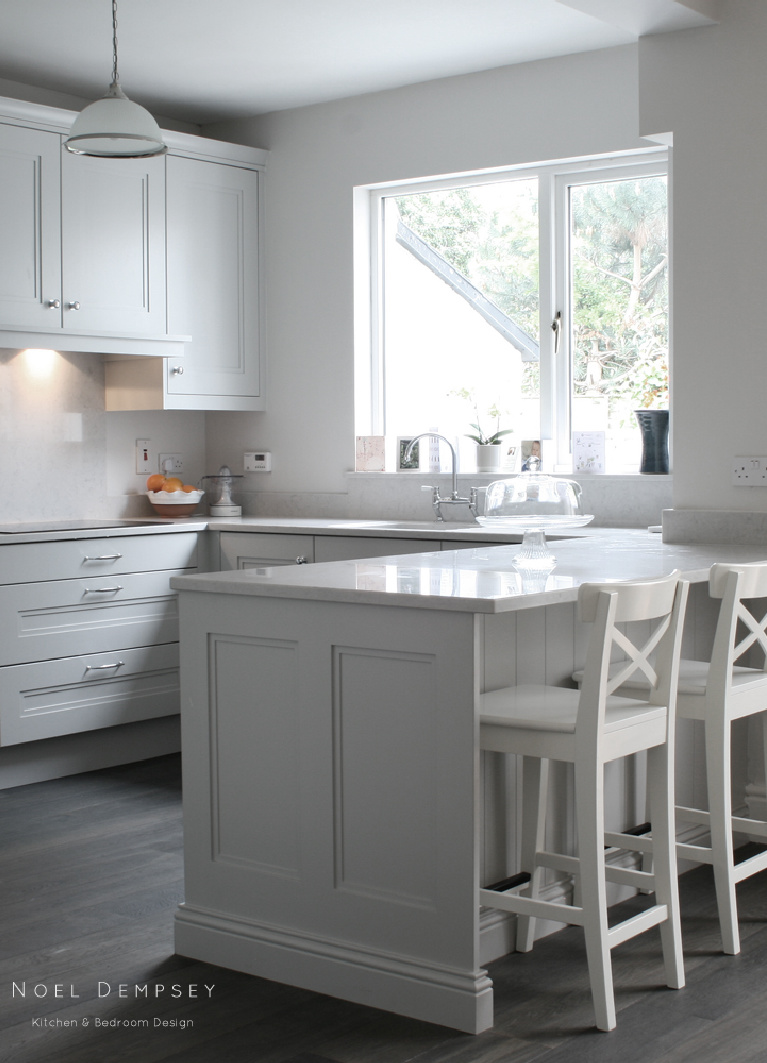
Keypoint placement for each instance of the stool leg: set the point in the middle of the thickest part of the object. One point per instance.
(589, 806)
(660, 784)
(718, 742)
(535, 785)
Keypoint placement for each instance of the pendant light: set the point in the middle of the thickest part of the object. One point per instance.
(115, 127)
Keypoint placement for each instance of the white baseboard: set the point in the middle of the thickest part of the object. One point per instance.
(460, 999)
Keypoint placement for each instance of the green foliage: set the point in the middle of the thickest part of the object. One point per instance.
(489, 236)
(620, 292)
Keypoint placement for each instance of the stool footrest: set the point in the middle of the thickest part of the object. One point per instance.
(757, 862)
(535, 909)
(510, 883)
(637, 924)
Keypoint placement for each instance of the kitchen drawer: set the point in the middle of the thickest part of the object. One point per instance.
(73, 558)
(63, 618)
(51, 698)
(263, 550)
(351, 547)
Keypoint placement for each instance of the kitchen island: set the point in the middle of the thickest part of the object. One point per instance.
(332, 782)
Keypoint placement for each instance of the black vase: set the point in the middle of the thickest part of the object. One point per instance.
(653, 424)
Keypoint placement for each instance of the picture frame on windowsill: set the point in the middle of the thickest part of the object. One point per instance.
(413, 463)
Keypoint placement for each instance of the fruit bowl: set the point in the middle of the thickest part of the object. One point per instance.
(174, 503)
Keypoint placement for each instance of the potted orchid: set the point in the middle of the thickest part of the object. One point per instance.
(488, 442)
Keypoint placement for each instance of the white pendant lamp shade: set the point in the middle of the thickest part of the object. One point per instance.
(115, 127)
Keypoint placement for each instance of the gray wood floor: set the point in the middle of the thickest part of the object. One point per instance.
(91, 873)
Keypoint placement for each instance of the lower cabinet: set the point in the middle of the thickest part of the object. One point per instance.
(59, 697)
(89, 633)
(256, 550)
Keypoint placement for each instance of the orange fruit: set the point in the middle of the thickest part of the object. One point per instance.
(188, 488)
(155, 482)
(172, 483)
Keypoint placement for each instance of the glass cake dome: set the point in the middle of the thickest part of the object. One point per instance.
(534, 503)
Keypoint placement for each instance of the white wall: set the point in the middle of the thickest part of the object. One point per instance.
(572, 106)
(710, 88)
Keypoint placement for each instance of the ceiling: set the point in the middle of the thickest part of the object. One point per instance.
(201, 61)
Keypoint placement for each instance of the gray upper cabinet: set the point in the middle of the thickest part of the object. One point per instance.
(214, 294)
(213, 285)
(83, 241)
(152, 257)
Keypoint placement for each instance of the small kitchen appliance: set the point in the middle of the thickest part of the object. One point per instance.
(221, 489)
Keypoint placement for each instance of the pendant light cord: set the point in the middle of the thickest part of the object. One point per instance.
(115, 75)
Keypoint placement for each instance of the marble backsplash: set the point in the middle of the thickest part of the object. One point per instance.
(616, 501)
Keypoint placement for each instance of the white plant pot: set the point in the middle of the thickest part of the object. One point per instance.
(489, 457)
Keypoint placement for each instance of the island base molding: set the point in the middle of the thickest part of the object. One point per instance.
(459, 999)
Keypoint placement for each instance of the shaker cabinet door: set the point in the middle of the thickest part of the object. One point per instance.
(113, 245)
(30, 228)
(213, 285)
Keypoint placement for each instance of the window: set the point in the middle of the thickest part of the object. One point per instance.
(534, 301)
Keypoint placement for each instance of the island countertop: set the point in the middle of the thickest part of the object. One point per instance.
(479, 580)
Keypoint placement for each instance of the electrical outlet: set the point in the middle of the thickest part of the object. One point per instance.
(171, 464)
(143, 461)
(749, 470)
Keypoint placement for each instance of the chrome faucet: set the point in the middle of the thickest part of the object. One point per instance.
(436, 499)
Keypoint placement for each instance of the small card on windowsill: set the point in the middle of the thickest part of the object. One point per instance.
(370, 454)
(588, 452)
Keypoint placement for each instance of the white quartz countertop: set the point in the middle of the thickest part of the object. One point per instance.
(480, 580)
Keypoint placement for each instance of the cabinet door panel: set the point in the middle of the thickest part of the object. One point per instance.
(351, 547)
(213, 284)
(113, 244)
(67, 617)
(52, 698)
(30, 263)
(263, 550)
(77, 558)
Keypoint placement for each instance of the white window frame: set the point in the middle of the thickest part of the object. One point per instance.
(555, 180)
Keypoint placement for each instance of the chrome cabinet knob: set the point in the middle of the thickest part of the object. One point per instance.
(54, 304)
(177, 370)
(301, 560)
(74, 305)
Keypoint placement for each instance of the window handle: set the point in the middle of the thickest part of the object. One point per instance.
(556, 328)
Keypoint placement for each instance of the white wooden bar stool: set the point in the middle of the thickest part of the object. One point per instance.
(718, 693)
(589, 728)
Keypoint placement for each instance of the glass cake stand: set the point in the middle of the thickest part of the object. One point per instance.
(534, 552)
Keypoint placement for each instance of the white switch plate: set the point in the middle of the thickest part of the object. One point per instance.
(749, 470)
(143, 461)
(257, 461)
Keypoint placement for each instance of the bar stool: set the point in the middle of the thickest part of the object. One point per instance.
(718, 693)
(589, 728)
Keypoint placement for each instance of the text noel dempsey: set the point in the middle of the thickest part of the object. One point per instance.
(122, 990)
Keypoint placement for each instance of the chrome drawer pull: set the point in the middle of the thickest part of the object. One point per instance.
(103, 557)
(101, 667)
(101, 590)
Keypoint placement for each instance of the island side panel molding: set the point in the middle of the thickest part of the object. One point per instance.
(385, 716)
(254, 758)
(388, 916)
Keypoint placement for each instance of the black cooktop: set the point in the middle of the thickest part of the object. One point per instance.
(72, 525)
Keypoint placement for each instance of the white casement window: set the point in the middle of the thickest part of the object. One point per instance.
(532, 301)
